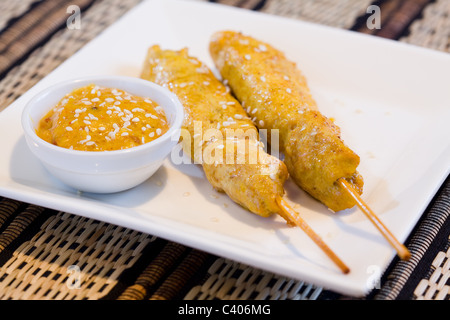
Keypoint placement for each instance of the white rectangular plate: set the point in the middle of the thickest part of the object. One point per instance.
(391, 101)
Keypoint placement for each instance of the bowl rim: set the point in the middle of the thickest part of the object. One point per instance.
(30, 132)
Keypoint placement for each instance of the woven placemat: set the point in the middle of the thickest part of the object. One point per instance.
(70, 257)
(56, 255)
(338, 14)
(432, 30)
(60, 46)
(13, 9)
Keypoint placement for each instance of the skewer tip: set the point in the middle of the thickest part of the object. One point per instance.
(293, 218)
(402, 251)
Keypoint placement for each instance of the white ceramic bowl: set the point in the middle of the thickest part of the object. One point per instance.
(103, 171)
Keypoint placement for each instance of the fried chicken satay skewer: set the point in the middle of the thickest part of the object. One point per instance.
(247, 174)
(276, 96)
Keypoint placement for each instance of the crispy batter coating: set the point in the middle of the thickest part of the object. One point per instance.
(247, 174)
(276, 96)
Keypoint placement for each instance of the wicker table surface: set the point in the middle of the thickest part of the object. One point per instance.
(46, 254)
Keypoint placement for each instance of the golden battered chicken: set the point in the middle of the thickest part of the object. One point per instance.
(276, 96)
(218, 133)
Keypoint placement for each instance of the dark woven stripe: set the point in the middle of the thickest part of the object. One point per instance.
(178, 279)
(245, 4)
(7, 209)
(156, 270)
(396, 17)
(18, 225)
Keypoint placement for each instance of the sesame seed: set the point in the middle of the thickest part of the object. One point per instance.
(86, 122)
(136, 119)
(109, 112)
(263, 79)
(90, 143)
(69, 129)
(148, 101)
(261, 123)
(238, 116)
(88, 103)
(288, 90)
(158, 131)
(102, 128)
(151, 134)
(247, 56)
(88, 137)
(138, 110)
(124, 134)
(117, 103)
(262, 47)
(221, 146)
(95, 99)
(109, 99)
(254, 110)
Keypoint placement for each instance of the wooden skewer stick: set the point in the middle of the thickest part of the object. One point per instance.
(293, 218)
(402, 251)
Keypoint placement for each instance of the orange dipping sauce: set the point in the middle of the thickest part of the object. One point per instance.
(95, 118)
